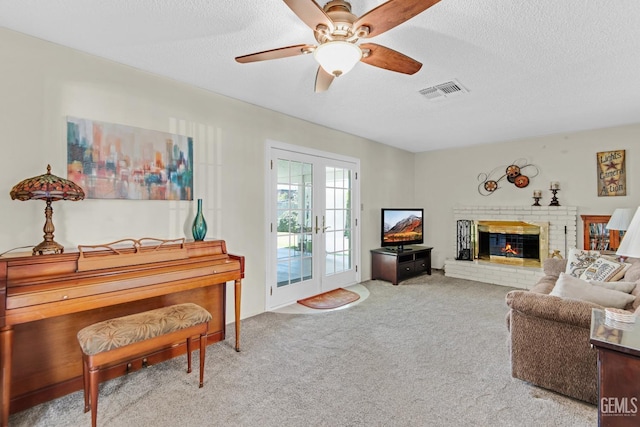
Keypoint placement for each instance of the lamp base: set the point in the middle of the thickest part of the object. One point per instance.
(49, 246)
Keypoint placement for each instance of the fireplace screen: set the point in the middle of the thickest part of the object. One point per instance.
(512, 242)
(509, 245)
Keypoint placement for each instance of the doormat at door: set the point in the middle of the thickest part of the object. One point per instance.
(332, 299)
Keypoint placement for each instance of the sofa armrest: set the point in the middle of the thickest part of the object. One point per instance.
(554, 266)
(573, 312)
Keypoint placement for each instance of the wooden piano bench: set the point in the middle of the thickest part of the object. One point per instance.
(123, 338)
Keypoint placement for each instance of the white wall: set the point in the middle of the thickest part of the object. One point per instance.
(449, 178)
(42, 83)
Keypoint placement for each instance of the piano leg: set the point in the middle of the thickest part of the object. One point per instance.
(237, 293)
(6, 346)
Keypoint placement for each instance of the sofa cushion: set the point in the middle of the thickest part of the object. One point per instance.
(571, 287)
(605, 270)
(578, 261)
(633, 273)
(626, 287)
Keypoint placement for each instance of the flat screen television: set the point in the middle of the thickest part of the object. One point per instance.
(400, 227)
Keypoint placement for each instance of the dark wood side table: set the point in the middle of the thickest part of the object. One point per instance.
(618, 346)
(394, 266)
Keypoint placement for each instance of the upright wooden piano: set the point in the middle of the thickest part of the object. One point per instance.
(45, 300)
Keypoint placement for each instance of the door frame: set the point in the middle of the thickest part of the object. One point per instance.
(356, 251)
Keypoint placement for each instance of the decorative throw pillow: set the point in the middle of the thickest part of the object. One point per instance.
(571, 287)
(603, 270)
(578, 260)
(620, 274)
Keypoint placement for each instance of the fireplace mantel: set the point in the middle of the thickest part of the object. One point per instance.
(511, 227)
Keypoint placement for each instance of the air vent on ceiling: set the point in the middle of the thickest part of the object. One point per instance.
(443, 90)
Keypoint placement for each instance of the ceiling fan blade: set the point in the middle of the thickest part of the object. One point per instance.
(389, 59)
(282, 52)
(310, 13)
(323, 80)
(392, 13)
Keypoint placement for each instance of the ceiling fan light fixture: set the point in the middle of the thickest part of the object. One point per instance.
(337, 57)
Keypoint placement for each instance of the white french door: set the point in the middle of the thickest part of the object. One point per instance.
(313, 243)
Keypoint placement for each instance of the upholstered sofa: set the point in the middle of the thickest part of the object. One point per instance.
(549, 335)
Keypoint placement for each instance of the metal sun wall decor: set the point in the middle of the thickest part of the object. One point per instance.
(612, 174)
(518, 173)
(112, 161)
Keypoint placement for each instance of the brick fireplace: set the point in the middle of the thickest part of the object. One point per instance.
(552, 228)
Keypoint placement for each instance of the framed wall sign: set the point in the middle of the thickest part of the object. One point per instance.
(612, 173)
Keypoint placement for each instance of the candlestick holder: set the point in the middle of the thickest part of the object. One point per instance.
(554, 199)
(537, 201)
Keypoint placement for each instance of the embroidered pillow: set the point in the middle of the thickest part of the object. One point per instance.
(604, 270)
(578, 261)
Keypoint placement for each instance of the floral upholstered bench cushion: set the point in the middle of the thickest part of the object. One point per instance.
(122, 331)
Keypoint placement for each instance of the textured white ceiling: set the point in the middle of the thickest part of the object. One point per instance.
(532, 67)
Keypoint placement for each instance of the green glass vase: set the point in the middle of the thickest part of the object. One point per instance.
(199, 227)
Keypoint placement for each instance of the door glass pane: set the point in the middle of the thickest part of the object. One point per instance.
(337, 220)
(294, 211)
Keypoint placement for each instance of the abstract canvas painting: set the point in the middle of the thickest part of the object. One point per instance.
(112, 161)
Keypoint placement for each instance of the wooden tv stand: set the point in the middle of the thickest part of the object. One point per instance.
(394, 266)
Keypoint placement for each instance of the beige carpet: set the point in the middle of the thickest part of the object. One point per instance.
(431, 352)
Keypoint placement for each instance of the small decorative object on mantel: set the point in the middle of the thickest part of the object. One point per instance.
(537, 195)
(199, 228)
(612, 174)
(49, 188)
(554, 187)
(555, 254)
(514, 173)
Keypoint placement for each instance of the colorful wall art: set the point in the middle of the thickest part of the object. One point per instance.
(112, 161)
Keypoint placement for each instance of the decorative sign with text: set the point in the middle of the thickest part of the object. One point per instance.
(612, 174)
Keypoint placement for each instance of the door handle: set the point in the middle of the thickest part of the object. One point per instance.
(323, 228)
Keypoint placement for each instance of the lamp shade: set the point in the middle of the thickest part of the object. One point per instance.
(620, 219)
(337, 57)
(630, 245)
(46, 187)
(49, 188)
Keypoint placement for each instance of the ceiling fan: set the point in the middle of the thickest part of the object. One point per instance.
(337, 31)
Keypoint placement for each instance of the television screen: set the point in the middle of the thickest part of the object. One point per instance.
(402, 227)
